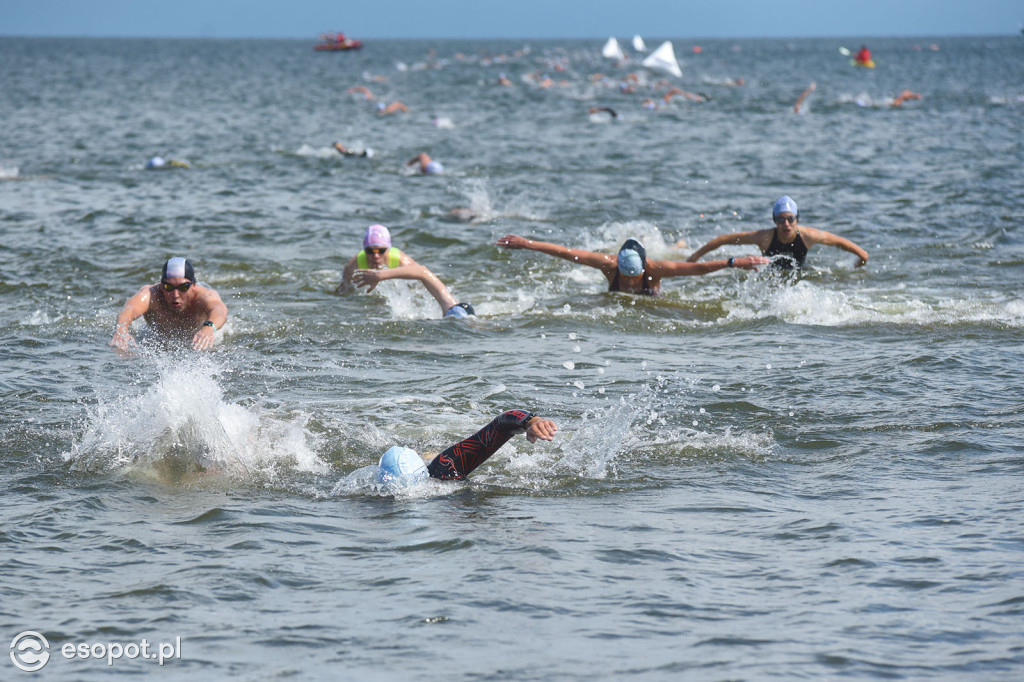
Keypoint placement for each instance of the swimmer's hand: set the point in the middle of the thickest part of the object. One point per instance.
(512, 241)
(124, 343)
(751, 262)
(368, 278)
(204, 337)
(538, 427)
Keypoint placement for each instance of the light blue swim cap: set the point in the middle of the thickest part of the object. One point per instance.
(460, 310)
(402, 465)
(156, 162)
(433, 168)
(630, 263)
(784, 205)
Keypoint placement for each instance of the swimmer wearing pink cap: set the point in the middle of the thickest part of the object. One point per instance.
(379, 261)
(788, 242)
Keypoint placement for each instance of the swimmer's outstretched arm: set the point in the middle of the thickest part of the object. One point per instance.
(346, 274)
(462, 458)
(813, 235)
(371, 278)
(804, 95)
(134, 308)
(601, 261)
(216, 314)
(667, 268)
(754, 237)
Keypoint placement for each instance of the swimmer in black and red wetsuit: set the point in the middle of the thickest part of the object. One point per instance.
(401, 466)
(461, 459)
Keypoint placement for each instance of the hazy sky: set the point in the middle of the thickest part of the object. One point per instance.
(509, 18)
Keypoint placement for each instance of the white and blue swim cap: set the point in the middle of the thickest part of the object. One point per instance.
(155, 163)
(402, 465)
(178, 267)
(433, 168)
(784, 205)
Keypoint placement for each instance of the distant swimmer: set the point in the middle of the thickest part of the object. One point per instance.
(798, 107)
(379, 261)
(630, 271)
(390, 108)
(427, 165)
(160, 163)
(788, 242)
(608, 110)
(345, 151)
(361, 90)
(503, 80)
(176, 309)
(692, 96)
(903, 97)
(401, 466)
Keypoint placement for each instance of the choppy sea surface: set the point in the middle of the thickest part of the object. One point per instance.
(755, 478)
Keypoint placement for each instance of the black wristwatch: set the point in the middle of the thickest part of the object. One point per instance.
(209, 323)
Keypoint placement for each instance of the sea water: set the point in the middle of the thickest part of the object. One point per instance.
(755, 477)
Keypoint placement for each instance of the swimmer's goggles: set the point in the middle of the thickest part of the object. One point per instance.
(780, 219)
(183, 287)
(375, 250)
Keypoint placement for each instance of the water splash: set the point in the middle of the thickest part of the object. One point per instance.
(181, 427)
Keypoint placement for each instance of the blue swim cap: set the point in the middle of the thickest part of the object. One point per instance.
(433, 168)
(155, 163)
(630, 263)
(402, 465)
(784, 205)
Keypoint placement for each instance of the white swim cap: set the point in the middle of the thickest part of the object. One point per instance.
(402, 465)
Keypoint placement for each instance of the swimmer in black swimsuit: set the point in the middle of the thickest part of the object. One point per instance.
(345, 151)
(787, 238)
(630, 271)
(608, 110)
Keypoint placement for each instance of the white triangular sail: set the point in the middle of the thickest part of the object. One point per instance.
(611, 50)
(664, 59)
(638, 44)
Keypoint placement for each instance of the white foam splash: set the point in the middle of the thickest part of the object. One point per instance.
(181, 426)
(408, 300)
(819, 304)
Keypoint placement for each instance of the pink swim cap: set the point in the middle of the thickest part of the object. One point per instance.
(377, 235)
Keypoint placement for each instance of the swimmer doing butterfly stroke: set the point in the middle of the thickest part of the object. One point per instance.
(630, 271)
(402, 466)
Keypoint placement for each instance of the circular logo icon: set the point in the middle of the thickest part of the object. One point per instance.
(30, 651)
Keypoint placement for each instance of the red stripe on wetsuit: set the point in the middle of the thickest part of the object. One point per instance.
(460, 459)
